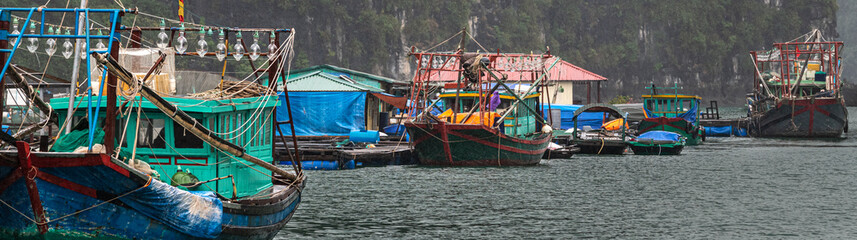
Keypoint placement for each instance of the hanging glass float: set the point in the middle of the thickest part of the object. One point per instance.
(51, 47)
(255, 50)
(100, 44)
(221, 47)
(181, 41)
(34, 42)
(163, 39)
(238, 48)
(67, 46)
(14, 30)
(272, 45)
(202, 45)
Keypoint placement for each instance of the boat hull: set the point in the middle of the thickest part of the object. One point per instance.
(803, 118)
(656, 149)
(96, 196)
(443, 144)
(597, 146)
(692, 133)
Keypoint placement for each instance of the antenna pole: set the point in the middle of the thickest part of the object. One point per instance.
(75, 69)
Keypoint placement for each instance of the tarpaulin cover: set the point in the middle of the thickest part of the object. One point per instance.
(77, 138)
(660, 136)
(197, 215)
(394, 129)
(396, 101)
(591, 119)
(723, 131)
(324, 113)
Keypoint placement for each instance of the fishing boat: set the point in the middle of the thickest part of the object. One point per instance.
(657, 143)
(797, 89)
(672, 112)
(557, 151)
(160, 168)
(480, 119)
(601, 140)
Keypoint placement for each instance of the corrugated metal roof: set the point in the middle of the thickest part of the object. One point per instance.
(329, 68)
(563, 71)
(319, 81)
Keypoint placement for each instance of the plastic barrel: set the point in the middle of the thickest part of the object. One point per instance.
(320, 165)
(349, 165)
(369, 136)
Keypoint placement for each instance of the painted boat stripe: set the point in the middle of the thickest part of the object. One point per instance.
(478, 126)
(88, 160)
(495, 145)
(68, 184)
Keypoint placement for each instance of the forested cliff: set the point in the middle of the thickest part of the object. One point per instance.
(701, 44)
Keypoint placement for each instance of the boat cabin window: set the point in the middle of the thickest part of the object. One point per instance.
(464, 104)
(184, 138)
(504, 104)
(120, 134)
(669, 106)
(151, 134)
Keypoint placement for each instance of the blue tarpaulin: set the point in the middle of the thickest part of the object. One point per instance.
(660, 136)
(723, 131)
(197, 215)
(324, 113)
(591, 119)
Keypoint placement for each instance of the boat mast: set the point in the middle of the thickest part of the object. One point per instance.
(75, 69)
(110, 119)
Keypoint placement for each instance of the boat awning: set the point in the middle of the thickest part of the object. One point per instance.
(396, 101)
(599, 107)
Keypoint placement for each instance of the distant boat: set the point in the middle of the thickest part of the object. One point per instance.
(603, 140)
(797, 89)
(657, 143)
(672, 112)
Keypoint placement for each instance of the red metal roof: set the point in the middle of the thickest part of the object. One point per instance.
(562, 71)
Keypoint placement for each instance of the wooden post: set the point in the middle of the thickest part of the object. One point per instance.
(598, 87)
(110, 119)
(136, 38)
(289, 107)
(28, 171)
(588, 92)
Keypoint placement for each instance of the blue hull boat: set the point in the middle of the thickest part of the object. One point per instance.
(64, 195)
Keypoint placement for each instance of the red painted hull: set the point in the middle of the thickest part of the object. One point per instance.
(803, 118)
(443, 144)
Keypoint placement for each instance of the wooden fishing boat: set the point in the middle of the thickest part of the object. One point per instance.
(561, 152)
(657, 143)
(484, 122)
(599, 141)
(673, 112)
(797, 90)
(179, 168)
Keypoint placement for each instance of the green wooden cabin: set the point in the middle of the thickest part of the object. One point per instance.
(246, 122)
(518, 123)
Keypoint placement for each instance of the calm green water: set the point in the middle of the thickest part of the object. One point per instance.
(726, 188)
